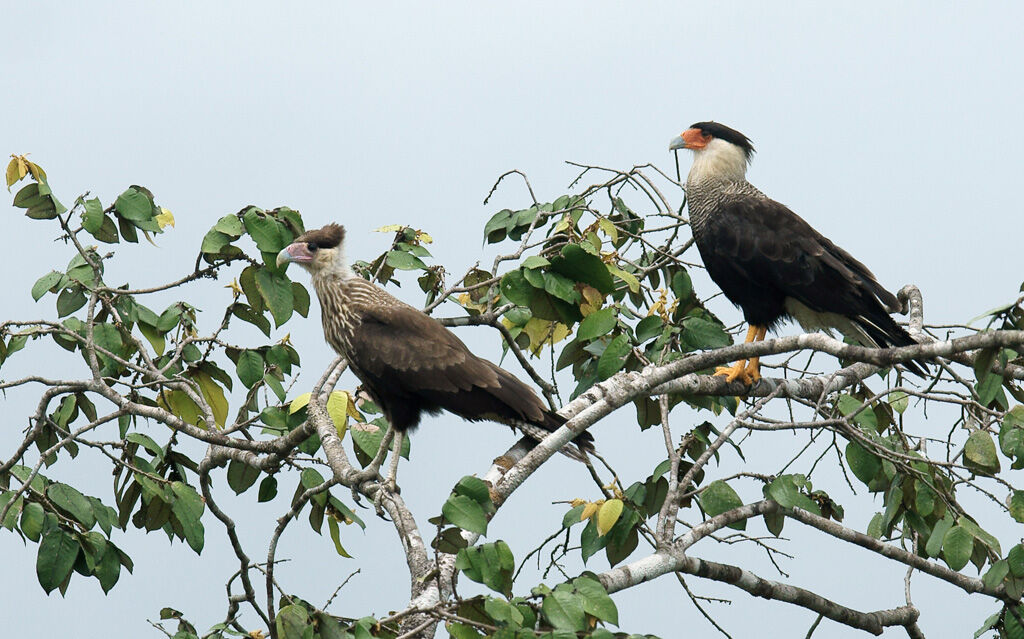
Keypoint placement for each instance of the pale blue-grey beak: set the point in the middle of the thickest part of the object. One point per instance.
(677, 143)
(284, 257)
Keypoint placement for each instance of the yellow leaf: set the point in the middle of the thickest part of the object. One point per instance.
(563, 224)
(424, 237)
(235, 288)
(299, 402)
(560, 332)
(22, 167)
(12, 173)
(577, 502)
(164, 218)
(390, 228)
(214, 396)
(337, 408)
(588, 511)
(353, 412)
(180, 405)
(538, 330)
(593, 296)
(608, 515)
(609, 229)
(628, 278)
(37, 171)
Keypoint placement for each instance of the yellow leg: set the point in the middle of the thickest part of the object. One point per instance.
(753, 370)
(746, 371)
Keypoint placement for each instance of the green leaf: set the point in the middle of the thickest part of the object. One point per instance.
(1015, 560)
(230, 225)
(134, 205)
(580, 266)
(490, 564)
(682, 287)
(865, 465)
(268, 489)
(292, 622)
(214, 241)
(108, 569)
(516, 289)
(502, 611)
(924, 499)
(996, 573)
(495, 229)
(276, 291)
(241, 476)
(270, 235)
(57, 553)
(32, 520)
(535, 261)
(614, 357)
(564, 611)
(73, 503)
(465, 513)
(934, 545)
(899, 401)
(92, 216)
(597, 324)
(45, 283)
(300, 299)
(476, 489)
(596, 601)
(702, 334)
(866, 418)
(561, 287)
(403, 261)
(70, 300)
(718, 498)
(649, 327)
(591, 541)
(108, 337)
(332, 527)
(249, 367)
(957, 547)
(1017, 505)
(980, 453)
(188, 507)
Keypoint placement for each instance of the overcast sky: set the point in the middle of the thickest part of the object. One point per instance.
(893, 130)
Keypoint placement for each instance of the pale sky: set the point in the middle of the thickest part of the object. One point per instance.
(893, 130)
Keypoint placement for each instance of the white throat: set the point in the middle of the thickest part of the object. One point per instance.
(339, 266)
(718, 160)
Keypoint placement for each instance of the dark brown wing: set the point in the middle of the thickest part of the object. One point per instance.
(759, 252)
(409, 360)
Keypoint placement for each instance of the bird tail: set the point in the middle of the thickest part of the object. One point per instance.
(583, 443)
(885, 332)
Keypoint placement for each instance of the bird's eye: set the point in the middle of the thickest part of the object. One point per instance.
(311, 247)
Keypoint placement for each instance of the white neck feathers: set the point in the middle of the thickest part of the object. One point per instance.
(718, 160)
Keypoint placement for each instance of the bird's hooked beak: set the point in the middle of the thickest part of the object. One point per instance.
(297, 252)
(677, 143)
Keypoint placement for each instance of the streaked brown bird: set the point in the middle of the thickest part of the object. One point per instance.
(407, 361)
(769, 261)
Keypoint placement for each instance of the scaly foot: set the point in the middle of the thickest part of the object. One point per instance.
(738, 371)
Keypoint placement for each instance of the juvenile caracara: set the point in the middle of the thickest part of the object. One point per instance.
(407, 361)
(769, 261)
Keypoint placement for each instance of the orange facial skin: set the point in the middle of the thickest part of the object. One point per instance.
(695, 139)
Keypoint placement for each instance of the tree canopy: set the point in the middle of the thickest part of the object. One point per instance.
(592, 296)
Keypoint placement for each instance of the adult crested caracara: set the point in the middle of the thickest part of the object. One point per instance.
(408, 362)
(769, 261)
